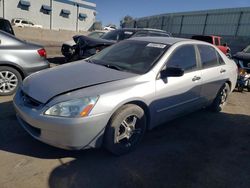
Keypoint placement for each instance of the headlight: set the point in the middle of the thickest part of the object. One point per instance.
(73, 108)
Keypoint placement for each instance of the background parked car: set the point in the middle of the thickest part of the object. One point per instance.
(110, 27)
(243, 59)
(86, 46)
(18, 22)
(6, 26)
(116, 95)
(18, 59)
(215, 40)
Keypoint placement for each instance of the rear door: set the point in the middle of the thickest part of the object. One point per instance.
(177, 95)
(213, 72)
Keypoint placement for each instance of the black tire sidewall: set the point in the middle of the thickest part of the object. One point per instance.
(216, 105)
(19, 78)
(115, 122)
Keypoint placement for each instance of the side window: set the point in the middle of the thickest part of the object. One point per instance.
(221, 61)
(183, 57)
(216, 41)
(24, 22)
(208, 56)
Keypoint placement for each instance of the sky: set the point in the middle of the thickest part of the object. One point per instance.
(112, 11)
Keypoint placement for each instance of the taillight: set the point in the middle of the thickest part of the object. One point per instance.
(42, 52)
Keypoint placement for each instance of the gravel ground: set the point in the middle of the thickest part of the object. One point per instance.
(202, 149)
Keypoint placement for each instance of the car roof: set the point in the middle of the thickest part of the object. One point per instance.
(143, 29)
(162, 40)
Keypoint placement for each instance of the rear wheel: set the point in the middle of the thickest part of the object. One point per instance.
(221, 98)
(125, 129)
(248, 85)
(9, 80)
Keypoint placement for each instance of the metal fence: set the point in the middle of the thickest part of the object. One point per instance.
(233, 22)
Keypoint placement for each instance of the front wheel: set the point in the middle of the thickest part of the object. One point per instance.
(9, 80)
(125, 129)
(221, 98)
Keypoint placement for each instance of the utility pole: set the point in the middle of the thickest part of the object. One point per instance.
(51, 12)
(77, 16)
(3, 10)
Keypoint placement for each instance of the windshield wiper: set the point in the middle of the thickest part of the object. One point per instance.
(111, 66)
(89, 61)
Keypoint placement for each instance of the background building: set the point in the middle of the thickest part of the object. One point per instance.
(75, 15)
(233, 24)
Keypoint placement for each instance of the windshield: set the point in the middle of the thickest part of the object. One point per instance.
(131, 56)
(118, 35)
(247, 49)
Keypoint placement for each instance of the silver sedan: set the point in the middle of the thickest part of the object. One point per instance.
(18, 59)
(112, 98)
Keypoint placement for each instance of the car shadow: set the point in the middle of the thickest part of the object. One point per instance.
(202, 149)
(14, 139)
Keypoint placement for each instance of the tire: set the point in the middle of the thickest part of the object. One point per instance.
(10, 79)
(248, 86)
(221, 98)
(125, 129)
(229, 55)
(240, 88)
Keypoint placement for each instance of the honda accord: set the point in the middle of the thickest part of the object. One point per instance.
(112, 98)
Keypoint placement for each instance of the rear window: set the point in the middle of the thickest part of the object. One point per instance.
(118, 35)
(203, 38)
(17, 21)
(157, 34)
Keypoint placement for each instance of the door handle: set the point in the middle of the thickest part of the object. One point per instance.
(222, 70)
(196, 78)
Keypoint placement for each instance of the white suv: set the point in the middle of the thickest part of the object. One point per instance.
(24, 23)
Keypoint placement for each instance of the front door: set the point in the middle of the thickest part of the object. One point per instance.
(178, 95)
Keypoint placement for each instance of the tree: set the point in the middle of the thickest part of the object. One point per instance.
(126, 21)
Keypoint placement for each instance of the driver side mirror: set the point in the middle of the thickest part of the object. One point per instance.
(171, 72)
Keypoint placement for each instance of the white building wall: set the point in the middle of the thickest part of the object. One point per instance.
(84, 25)
(58, 22)
(1, 8)
(33, 14)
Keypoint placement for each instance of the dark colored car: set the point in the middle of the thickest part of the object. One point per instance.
(18, 59)
(6, 26)
(86, 46)
(242, 59)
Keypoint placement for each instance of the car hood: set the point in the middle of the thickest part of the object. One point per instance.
(92, 42)
(45, 85)
(242, 56)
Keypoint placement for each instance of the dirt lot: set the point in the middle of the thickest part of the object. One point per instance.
(202, 149)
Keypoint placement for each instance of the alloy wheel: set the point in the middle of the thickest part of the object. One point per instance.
(8, 81)
(128, 132)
